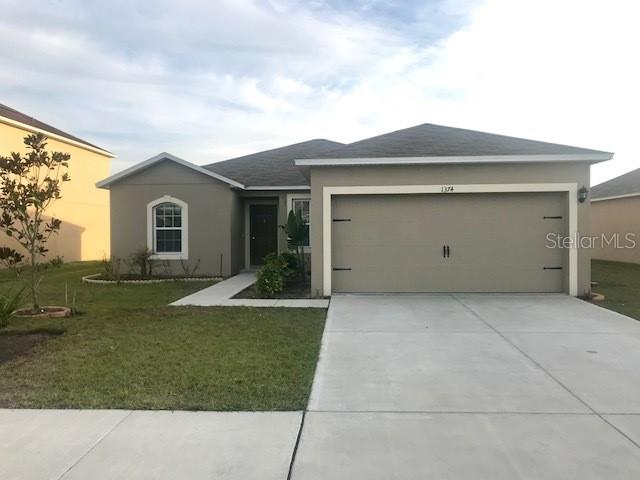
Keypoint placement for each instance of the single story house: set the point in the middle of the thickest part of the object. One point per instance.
(423, 209)
(615, 218)
(83, 208)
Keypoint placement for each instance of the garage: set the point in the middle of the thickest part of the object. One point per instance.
(460, 242)
(431, 208)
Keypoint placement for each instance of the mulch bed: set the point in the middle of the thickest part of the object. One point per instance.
(13, 345)
(100, 278)
(292, 290)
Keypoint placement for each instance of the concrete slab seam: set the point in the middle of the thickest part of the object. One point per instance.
(296, 445)
(66, 472)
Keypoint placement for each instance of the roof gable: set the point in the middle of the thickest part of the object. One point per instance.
(16, 117)
(436, 141)
(107, 182)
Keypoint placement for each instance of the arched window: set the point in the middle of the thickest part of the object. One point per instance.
(167, 222)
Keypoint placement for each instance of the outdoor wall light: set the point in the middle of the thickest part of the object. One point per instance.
(582, 194)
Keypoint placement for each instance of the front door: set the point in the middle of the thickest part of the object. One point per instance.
(263, 231)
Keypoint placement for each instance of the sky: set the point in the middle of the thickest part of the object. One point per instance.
(209, 80)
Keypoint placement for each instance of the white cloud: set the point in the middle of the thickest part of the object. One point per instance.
(210, 80)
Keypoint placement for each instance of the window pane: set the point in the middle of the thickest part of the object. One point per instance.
(168, 215)
(302, 207)
(168, 241)
(306, 236)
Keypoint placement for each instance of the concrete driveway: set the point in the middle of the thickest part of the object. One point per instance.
(473, 386)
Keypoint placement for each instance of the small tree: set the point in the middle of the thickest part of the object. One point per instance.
(296, 237)
(29, 184)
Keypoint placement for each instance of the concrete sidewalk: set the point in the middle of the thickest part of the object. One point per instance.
(220, 295)
(137, 445)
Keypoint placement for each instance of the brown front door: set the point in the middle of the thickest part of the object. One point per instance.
(263, 231)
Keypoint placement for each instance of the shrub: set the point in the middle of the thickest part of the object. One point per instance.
(189, 271)
(297, 233)
(56, 261)
(141, 260)
(112, 268)
(272, 275)
(292, 261)
(9, 302)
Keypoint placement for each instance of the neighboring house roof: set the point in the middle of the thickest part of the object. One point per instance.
(428, 143)
(274, 168)
(627, 185)
(160, 158)
(15, 117)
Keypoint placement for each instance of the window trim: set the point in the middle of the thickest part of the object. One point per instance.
(182, 255)
(300, 196)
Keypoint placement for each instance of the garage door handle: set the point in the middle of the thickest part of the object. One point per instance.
(444, 251)
(448, 251)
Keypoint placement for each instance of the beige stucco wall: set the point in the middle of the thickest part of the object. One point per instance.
(577, 173)
(619, 216)
(214, 210)
(83, 208)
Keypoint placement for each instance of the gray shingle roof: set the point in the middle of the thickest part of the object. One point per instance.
(15, 115)
(627, 184)
(428, 140)
(272, 167)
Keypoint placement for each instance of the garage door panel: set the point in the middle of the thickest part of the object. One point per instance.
(394, 243)
(441, 279)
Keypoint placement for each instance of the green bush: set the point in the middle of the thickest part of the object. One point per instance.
(272, 275)
(291, 259)
(9, 302)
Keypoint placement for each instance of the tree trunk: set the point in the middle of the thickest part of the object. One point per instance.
(34, 293)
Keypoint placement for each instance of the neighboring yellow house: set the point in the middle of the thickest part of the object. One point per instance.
(83, 208)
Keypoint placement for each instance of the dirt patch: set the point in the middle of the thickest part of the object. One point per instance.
(292, 290)
(13, 345)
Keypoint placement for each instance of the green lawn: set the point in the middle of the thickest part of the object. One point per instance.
(127, 349)
(620, 284)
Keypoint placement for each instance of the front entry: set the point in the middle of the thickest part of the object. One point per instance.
(263, 232)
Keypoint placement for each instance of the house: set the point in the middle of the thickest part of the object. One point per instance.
(423, 209)
(83, 208)
(615, 221)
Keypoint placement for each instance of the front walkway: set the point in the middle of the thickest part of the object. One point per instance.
(220, 295)
(473, 387)
(139, 445)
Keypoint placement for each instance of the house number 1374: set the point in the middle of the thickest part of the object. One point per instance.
(446, 189)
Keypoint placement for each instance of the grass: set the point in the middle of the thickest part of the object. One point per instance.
(127, 349)
(620, 284)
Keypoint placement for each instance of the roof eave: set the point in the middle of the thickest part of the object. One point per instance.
(55, 136)
(573, 157)
(616, 197)
(278, 187)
